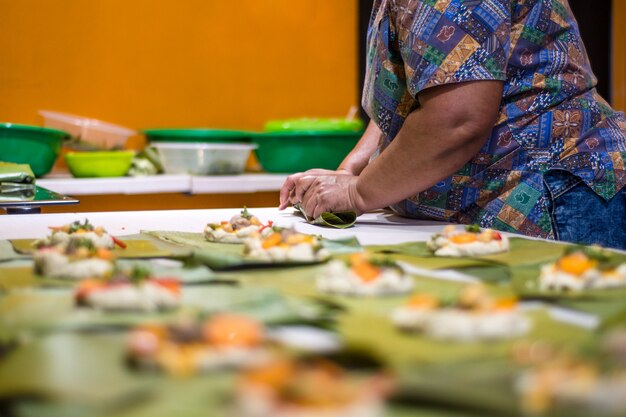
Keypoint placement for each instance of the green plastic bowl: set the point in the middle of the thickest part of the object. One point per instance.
(312, 124)
(288, 152)
(99, 163)
(36, 146)
(198, 135)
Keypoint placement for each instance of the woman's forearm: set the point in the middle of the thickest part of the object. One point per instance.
(359, 157)
(435, 141)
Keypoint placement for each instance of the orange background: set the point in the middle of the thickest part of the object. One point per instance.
(164, 63)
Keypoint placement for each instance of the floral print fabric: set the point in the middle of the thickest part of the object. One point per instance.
(551, 117)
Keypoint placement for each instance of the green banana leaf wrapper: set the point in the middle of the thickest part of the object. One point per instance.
(16, 173)
(19, 274)
(8, 252)
(36, 312)
(337, 220)
(228, 256)
(137, 246)
(522, 252)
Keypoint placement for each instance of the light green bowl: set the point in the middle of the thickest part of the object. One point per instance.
(314, 125)
(32, 145)
(99, 163)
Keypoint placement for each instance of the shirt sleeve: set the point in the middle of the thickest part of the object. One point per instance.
(448, 41)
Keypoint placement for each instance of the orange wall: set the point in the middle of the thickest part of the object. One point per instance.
(157, 63)
(619, 55)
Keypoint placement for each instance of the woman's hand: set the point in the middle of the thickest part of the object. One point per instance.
(288, 191)
(338, 192)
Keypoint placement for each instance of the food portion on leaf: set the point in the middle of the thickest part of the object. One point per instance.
(362, 275)
(78, 259)
(309, 387)
(63, 235)
(190, 346)
(237, 229)
(582, 268)
(132, 290)
(474, 315)
(286, 245)
(560, 381)
(468, 241)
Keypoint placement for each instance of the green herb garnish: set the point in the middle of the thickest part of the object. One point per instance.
(245, 213)
(138, 274)
(472, 228)
(74, 244)
(77, 225)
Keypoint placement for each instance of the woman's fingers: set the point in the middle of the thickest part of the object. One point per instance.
(287, 194)
(287, 189)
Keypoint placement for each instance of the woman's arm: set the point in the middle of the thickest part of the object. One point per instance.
(437, 139)
(359, 157)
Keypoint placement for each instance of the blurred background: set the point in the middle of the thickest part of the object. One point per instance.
(163, 63)
(217, 64)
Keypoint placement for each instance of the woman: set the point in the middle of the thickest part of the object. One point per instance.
(481, 112)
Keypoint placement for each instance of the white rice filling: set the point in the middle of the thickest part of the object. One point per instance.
(236, 236)
(63, 238)
(255, 401)
(145, 297)
(338, 278)
(605, 396)
(302, 252)
(231, 357)
(53, 264)
(461, 326)
(553, 278)
(442, 246)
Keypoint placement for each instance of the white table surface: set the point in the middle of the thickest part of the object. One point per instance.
(154, 184)
(371, 228)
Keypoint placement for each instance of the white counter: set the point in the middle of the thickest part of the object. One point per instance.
(371, 228)
(156, 184)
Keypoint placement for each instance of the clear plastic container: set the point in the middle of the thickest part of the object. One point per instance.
(101, 134)
(203, 158)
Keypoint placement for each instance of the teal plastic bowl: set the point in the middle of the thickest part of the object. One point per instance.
(288, 152)
(36, 146)
(197, 135)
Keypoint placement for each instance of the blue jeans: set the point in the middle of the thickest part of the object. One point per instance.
(579, 215)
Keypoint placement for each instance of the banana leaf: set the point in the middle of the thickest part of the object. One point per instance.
(426, 409)
(137, 246)
(525, 283)
(85, 374)
(7, 253)
(34, 312)
(480, 386)
(373, 328)
(200, 396)
(19, 274)
(80, 369)
(523, 251)
(225, 256)
(609, 312)
(16, 274)
(366, 320)
(337, 220)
